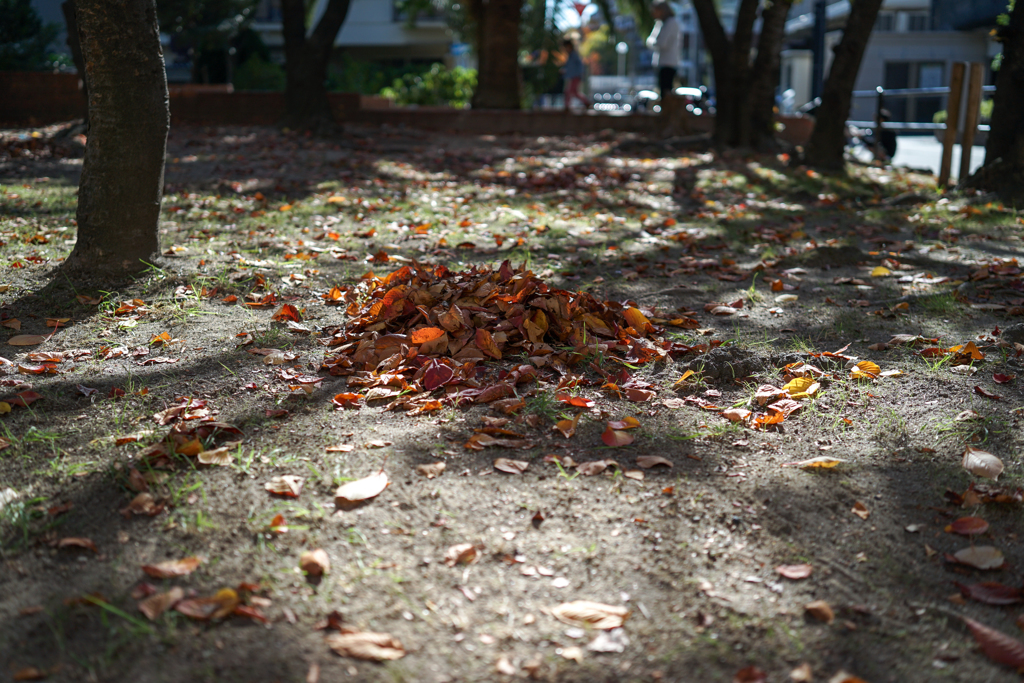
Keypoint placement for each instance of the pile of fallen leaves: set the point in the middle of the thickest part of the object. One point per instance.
(425, 329)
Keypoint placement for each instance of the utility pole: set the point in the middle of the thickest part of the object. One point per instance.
(818, 47)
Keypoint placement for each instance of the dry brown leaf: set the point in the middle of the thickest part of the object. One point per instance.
(355, 492)
(463, 553)
(592, 614)
(802, 674)
(982, 463)
(157, 604)
(820, 610)
(860, 510)
(996, 645)
(821, 462)
(27, 339)
(315, 562)
(287, 485)
(649, 461)
(431, 470)
(375, 647)
(511, 466)
(73, 542)
(173, 568)
(341, 448)
(593, 467)
(980, 557)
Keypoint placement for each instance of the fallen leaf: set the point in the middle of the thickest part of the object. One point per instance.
(27, 339)
(341, 448)
(820, 610)
(997, 646)
(880, 271)
(627, 423)
(987, 394)
(1000, 378)
(173, 568)
(980, 557)
(982, 463)
(567, 428)
(750, 674)
(511, 466)
(614, 438)
(860, 510)
(355, 492)
(593, 467)
(991, 593)
(315, 562)
(795, 571)
(77, 542)
(287, 485)
(802, 674)
(736, 414)
(430, 470)
(218, 606)
(968, 526)
(649, 461)
(577, 401)
(590, 614)
(375, 647)
(157, 604)
(821, 462)
(865, 370)
(463, 553)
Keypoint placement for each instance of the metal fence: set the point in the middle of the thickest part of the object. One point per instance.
(912, 126)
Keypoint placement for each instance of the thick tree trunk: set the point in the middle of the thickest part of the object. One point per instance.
(71, 21)
(1003, 171)
(499, 84)
(123, 172)
(306, 60)
(825, 149)
(744, 93)
(760, 129)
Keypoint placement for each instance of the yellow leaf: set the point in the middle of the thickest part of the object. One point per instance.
(5, 407)
(686, 376)
(865, 370)
(880, 271)
(801, 387)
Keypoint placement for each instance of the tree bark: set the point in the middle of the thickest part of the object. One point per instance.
(499, 83)
(306, 60)
(744, 92)
(122, 176)
(825, 149)
(71, 22)
(759, 117)
(1003, 171)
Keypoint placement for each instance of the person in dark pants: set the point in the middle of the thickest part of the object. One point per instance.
(666, 41)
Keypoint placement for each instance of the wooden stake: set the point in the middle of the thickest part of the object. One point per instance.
(956, 89)
(971, 118)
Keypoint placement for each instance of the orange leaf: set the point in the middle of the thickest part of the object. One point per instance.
(172, 568)
(287, 312)
(578, 401)
(426, 334)
(485, 342)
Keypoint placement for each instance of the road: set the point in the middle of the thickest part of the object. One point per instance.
(925, 152)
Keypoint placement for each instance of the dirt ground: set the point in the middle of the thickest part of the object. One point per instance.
(774, 264)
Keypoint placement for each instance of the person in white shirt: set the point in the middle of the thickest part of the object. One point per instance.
(666, 41)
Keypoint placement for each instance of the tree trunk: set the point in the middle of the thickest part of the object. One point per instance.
(68, 8)
(306, 60)
(1003, 171)
(759, 131)
(123, 172)
(744, 94)
(825, 150)
(499, 84)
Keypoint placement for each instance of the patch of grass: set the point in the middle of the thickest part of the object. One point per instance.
(939, 304)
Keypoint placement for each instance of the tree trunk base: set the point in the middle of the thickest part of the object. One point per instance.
(91, 264)
(1001, 177)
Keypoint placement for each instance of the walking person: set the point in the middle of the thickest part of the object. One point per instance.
(666, 41)
(572, 73)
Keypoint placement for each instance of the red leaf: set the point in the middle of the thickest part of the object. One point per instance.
(24, 398)
(981, 392)
(997, 646)
(437, 375)
(750, 674)
(615, 438)
(969, 526)
(578, 401)
(991, 593)
(1000, 378)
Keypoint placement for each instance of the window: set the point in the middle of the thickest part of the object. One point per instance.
(917, 21)
(886, 22)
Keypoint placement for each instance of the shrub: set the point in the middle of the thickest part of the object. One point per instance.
(438, 86)
(258, 74)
